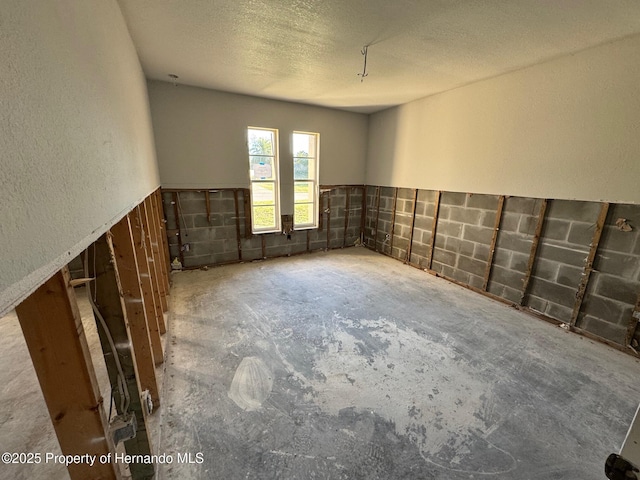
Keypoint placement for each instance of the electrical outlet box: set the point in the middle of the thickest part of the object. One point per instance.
(123, 428)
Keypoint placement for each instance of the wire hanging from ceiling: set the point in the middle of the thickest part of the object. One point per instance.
(364, 52)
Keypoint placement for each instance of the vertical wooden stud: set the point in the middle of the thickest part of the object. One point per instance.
(248, 233)
(153, 269)
(375, 235)
(494, 239)
(534, 251)
(633, 322)
(238, 239)
(207, 202)
(176, 215)
(588, 266)
(393, 220)
(153, 313)
(163, 236)
(264, 246)
(434, 227)
(347, 214)
(53, 331)
(413, 224)
(133, 300)
(328, 220)
(152, 227)
(363, 213)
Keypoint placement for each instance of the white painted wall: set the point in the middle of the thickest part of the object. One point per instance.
(201, 138)
(76, 145)
(568, 128)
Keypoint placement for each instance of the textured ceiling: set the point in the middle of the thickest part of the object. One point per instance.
(309, 51)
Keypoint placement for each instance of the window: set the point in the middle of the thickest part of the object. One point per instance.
(305, 178)
(263, 173)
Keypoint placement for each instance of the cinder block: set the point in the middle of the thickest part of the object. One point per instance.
(198, 260)
(443, 212)
(606, 309)
(225, 257)
(453, 198)
(444, 257)
(496, 288)
(419, 260)
(563, 254)
(536, 303)
(574, 210)
(470, 216)
(423, 223)
(616, 288)
(486, 202)
(555, 229)
(559, 312)
(425, 238)
(546, 269)
(529, 206)
(450, 229)
(604, 329)
(552, 292)
(507, 277)
(478, 234)
(502, 258)
(481, 252)
(460, 275)
(617, 240)
(569, 276)
(420, 250)
(617, 264)
(528, 225)
(475, 281)
(488, 218)
(427, 196)
(441, 242)
(519, 262)
(581, 233)
(512, 294)
(510, 222)
(471, 265)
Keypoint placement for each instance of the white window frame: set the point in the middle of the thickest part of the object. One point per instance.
(275, 181)
(313, 180)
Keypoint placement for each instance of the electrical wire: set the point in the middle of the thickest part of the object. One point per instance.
(125, 398)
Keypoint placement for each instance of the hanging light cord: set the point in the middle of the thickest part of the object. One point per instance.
(364, 51)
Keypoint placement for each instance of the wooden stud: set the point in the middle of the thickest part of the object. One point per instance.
(494, 239)
(164, 237)
(248, 233)
(322, 212)
(153, 269)
(328, 220)
(375, 235)
(133, 300)
(264, 246)
(176, 215)
(157, 251)
(308, 242)
(588, 266)
(413, 223)
(633, 323)
(106, 289)
(238, 238)
(363, 213)
(153, 314)
(347, 214)
(207, 205)
(534, 250)
(434, 227)
(393, 220)
(152, 228)
(53, 331)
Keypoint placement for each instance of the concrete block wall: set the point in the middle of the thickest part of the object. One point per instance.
(422, 228)
(615, 281)
(224, 238)
(463, 236)
(513, 247)
(564, 246)
(464, 232)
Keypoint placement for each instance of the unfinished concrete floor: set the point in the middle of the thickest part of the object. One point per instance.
(350, 365)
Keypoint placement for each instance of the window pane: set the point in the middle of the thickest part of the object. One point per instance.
(261, 168)
(303, 214)
(304, 192)
(304, 168)
(304, 145)
(261, 142)
(263, 193)
(264, 217)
